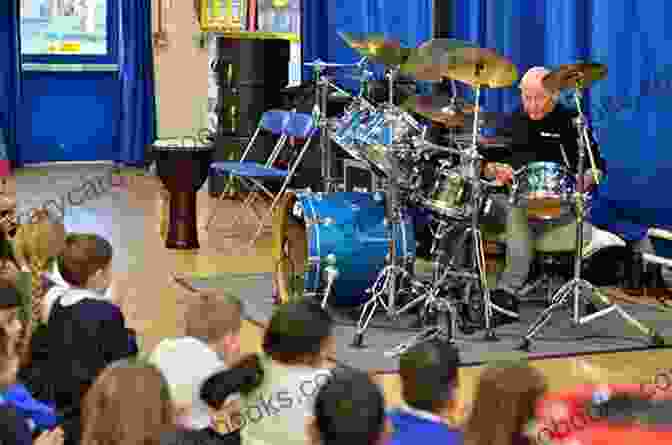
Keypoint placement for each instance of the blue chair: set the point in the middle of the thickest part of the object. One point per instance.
(301, 127)
(272, 122)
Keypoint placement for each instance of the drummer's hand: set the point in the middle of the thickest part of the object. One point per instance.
(588, 183)
(502, 173)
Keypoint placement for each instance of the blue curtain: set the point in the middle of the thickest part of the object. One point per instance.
(408, 22)
(10, 74)
(138, 112)
(630, 111)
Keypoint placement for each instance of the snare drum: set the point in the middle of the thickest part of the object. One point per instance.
(449, 196)
(350, 228)
(546, 189)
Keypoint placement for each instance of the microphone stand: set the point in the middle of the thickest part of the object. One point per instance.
(575, 287)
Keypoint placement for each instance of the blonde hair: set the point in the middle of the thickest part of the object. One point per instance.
(37, 244)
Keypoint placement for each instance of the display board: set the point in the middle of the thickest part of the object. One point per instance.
(62, 27)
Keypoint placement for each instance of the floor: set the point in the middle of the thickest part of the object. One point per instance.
(155, 306)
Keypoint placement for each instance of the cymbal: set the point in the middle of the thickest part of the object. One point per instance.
(319, 63)
(575, 75)
(378, 48)
(481, 67)
(436, 104)
(430, 61)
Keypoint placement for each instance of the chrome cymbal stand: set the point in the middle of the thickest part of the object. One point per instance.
(386, 287)
(320, 116)
(576, 286)
(445, 330)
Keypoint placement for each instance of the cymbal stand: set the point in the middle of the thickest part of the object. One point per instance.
(320, 116)
(385, 288)
(576, 286)
(471, 168)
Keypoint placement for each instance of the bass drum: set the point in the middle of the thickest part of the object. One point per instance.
(345, 230)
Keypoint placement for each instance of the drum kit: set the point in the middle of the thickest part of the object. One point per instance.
(360, 248)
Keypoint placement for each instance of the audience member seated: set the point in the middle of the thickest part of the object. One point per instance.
(40, 416)
(504, 406)
(349, 409)
(86, 332)
(285, 377)
(15, 428)
(429, 383)
(129, 403)
(211, 344)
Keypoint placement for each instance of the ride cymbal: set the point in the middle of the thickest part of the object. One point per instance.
(481, 67)
(377, 48)
(576, 75)
(431, 60)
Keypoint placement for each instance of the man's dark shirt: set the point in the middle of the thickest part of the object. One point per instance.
(540, 141)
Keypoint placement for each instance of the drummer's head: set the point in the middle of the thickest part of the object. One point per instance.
(538, 101)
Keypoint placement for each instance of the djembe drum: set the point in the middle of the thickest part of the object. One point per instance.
(183, 170)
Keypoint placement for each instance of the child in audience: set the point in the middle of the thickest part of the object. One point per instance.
(429, 383)
(277, 387)
(212, 342)
(129, 403)
(15, 427)
(39, 415)
(505, 403)
(86, 332)
(349, 409)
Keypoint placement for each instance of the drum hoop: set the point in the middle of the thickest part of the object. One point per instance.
(282, 267)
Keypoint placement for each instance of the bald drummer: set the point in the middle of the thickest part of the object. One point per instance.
(542, 131)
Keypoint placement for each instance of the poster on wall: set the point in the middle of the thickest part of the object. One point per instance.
(64, 27)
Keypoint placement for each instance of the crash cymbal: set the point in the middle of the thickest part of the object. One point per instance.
(481, 67)
(447, 120)
(431, 60)
(576, 75)
(437, 104)
(378, 48)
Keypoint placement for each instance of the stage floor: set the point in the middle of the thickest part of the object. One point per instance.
(129, 215)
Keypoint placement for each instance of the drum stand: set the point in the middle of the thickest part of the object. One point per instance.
(471, 165)
(384, 289)
(320, 116)
(574, 287)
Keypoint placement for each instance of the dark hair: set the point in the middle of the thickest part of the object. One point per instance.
(294, 336)
(84, 255)
(506, 399)
(428, 374)
(213, 316)
(350, 408)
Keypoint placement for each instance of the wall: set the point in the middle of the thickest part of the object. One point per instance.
(181, 72)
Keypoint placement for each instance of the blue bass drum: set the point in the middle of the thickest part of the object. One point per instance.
(310, 230)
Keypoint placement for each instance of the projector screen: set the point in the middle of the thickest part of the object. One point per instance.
(77, 27)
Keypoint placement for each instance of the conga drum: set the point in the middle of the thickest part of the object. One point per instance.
(183, 171)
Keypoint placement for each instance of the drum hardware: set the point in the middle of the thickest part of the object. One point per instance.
(322, 86)
(575, 286)
(384, 289)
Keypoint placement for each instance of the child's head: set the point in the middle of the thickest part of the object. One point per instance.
(10, 322)
(86, 261)
(349, 408)
(508, 393)
(216, 320)
(128, 403)
(429, 376)
(299, 334)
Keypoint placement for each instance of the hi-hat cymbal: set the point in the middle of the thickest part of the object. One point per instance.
(378, 48)
(575, 75)
(481, 67)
